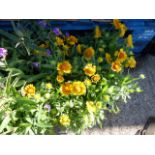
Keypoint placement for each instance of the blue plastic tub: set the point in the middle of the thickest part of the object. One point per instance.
(143, 30)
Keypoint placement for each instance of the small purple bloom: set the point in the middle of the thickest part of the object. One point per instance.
(47, 107)
(3, 52)
(49, 52)
(67, 34)
(42, 23)
(36, 64)
(57, 31)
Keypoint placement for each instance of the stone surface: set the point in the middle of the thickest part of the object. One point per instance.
(135, 113)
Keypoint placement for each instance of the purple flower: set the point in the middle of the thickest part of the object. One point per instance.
(36, 64)
(57, 31)
(42, 23)
(67, 34)
(3, 52)
(49, 52)
(47, 107)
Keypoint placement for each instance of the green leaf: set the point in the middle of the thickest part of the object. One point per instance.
(5, 123)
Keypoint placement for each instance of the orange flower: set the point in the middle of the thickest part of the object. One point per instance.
(98, 32)
(29, 90)
(72, 40)
(129, 41)
(116, 23)
(122, 56)
(78, 88)
(95, 78)
(64, 67)
(60, 78)
(116, 66)
(66, 88)
(131, 62)
(123, 29)
(108, 58)
(89, 53)
(89, 69)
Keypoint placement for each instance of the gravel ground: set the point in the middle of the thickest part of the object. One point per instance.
(133, 114)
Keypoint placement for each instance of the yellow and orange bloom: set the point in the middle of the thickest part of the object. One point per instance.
(116, 66)
(64, 67)
(65, 120)
(78, 88)
(60, 78)
(30, 90)
(108, 58)
(129, 41)
(123, 29)
(98, 32)
(72, 40)
(95, 78)
(116, 23)
(131, 62)
(121, 56)
(59, 41)
(66, 88)
(90, 69)
(91, 106)
(89, 53)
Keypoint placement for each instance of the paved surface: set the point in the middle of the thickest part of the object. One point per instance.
(133, 114)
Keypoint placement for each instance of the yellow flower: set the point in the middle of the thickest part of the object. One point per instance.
(89, 69)
(66, 88)
(123, 29)
(116, 66)
(64, 120)
(100, 59)
(129, 41)
(87, 82)
(98, 105)
(78, 48)
(100, 49)
(48, 86)
(98, 32)
(72, 40)
(131, 62)
(64, 67)
(122, 56)
(89, 53)
(60, 78)
(108, 58)
(29, 90)
(78, 88)
(116, 23)
(90, 106)
(95, 78)
(59, 41)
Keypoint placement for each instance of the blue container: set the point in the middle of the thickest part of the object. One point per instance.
(143, 30)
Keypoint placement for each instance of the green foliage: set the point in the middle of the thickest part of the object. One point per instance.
(32, 63)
